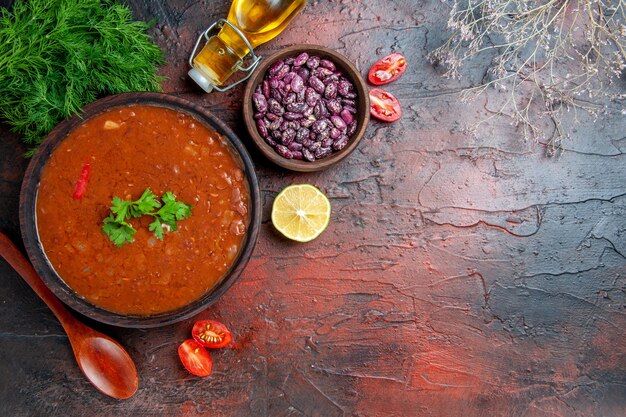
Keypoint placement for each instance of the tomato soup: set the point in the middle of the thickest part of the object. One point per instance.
(128, 150)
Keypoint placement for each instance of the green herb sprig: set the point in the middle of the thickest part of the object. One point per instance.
(58, 55)
(166, 214)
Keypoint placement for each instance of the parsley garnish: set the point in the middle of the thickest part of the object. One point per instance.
(165, 214)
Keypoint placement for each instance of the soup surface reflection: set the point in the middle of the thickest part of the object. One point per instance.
(128, 150)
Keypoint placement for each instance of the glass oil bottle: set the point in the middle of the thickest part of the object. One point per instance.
(249, 24)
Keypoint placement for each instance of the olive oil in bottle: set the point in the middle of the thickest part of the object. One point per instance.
(250, 23)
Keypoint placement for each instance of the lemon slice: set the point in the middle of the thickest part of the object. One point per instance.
(301, 212)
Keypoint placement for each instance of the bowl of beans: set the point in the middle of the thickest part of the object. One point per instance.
(306, 107)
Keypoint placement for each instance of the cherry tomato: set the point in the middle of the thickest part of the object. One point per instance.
(387, 69)
(83, 179)
(384, 106)
(195, 358)
(211, 334)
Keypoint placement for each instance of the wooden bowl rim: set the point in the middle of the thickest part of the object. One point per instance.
(28, 199)
(363, 104)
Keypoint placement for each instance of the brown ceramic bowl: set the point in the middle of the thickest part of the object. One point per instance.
(362, 116)
(28, 203)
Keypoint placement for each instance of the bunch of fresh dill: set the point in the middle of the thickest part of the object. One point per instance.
(58, 55)
(562, 54)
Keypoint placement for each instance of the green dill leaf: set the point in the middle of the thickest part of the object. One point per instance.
(58, 55)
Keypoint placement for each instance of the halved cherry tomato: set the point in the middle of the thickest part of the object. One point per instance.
(83, 179)
(211, 334)
(384, 106)
(387, 69)
(195, 358)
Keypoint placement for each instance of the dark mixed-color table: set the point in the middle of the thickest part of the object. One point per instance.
(460, 275)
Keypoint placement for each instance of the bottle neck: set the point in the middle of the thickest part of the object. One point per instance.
(218, 61)
(222, 55)
(234, 42)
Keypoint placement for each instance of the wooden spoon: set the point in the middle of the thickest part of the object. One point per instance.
(105, 363)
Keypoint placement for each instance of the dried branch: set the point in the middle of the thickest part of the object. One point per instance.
(565, 52)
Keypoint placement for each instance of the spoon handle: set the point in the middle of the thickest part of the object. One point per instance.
(18, 261)
(105, 363)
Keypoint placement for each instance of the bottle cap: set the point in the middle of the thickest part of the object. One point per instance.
(201, 80)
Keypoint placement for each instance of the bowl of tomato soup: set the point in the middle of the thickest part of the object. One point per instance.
(140, 212)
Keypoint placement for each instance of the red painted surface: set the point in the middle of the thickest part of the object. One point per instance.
(459, 276)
